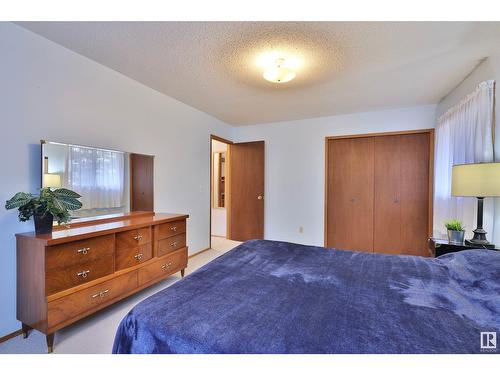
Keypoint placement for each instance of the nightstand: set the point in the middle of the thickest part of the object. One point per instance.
(439, 246)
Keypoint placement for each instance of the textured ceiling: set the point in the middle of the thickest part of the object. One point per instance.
(347, 66)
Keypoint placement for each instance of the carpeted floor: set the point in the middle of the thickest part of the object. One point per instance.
(96, 333)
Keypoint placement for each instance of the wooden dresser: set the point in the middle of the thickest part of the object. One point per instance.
(80, 269)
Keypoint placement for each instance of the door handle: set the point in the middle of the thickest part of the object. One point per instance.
(260, 197)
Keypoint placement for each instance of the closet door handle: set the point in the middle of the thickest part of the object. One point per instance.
(260, 197)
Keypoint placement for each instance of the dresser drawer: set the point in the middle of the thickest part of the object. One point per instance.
(70, 306)
(78, 252)
(171, 244)
(129, 257)
(170, 229)
(164, 266)
(64, 278)
(133, 238)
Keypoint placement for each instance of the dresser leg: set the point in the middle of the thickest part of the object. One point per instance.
(182, 272)
(50, 342)
(26, 330)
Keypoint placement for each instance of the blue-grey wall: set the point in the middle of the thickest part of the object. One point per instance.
(50, 92)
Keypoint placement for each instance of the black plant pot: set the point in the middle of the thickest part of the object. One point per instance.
(43, 224)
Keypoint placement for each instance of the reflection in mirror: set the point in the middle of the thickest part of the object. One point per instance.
(100, 176)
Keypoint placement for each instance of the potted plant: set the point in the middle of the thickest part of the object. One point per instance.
(48, 206)
(456, 231)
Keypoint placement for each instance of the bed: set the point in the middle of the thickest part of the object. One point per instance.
(277, 297)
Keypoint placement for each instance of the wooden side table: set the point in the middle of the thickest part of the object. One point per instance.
(439, 246)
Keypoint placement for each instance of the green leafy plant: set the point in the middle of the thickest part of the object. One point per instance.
(56, 202)
(454, 225)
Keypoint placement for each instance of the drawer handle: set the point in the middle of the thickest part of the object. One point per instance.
(173, 229)
(166, 266)
(101, 294)
(138, 237)
(173, 244)
(83, 251)
(138, 257)
(83, 273)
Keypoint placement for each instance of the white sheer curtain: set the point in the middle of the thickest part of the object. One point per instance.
(97, 175)
(464, 134)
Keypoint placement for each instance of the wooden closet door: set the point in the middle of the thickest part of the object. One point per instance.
(350, 194)
(387, 212)
(401, 215)
(414, 194)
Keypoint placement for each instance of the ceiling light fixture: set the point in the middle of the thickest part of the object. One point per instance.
(280, 71)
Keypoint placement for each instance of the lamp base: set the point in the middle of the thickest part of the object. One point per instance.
(480, 245)
(480, 240)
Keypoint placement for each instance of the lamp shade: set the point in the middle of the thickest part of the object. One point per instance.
(51, 180)
(476, 180)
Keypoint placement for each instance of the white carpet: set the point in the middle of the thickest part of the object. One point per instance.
(96, 333)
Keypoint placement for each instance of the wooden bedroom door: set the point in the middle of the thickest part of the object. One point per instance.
(246, 191)
(350, 194)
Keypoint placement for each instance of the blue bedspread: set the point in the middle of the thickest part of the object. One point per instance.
(276, 297)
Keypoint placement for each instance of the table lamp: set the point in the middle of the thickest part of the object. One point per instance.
(478, 180)
(51, 180)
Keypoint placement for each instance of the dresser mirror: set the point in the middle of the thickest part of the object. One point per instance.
(101, 176)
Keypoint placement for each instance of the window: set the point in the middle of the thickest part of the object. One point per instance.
(464, 134)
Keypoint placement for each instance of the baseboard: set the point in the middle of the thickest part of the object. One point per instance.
(11, 335)
(199, 252)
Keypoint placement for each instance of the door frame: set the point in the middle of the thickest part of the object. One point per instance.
(228, 191)
(381, 134)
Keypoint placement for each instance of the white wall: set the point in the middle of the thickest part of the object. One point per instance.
(219, 222)
(488, 69)
(483, 72)
(49, 92)
(295, 162)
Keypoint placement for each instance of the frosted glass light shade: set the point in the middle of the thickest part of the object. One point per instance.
(51, 180)
(476, 180)
(279, 74)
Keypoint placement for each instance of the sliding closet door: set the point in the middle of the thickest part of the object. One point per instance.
(415, 194)
(401, 215)
(349, 206)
